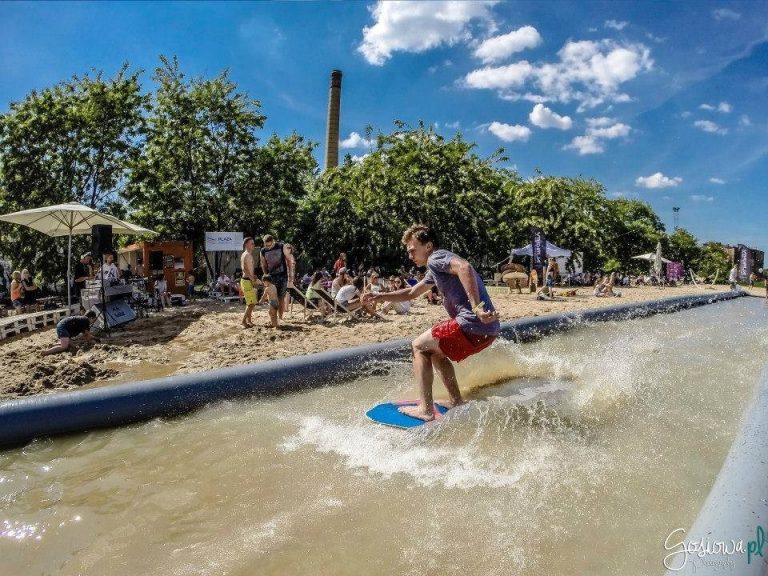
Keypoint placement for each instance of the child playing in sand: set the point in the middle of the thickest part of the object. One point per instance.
(270, 295)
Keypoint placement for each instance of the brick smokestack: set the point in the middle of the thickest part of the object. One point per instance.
(334, 114)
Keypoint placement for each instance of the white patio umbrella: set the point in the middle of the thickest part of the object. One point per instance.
(650, 257)
(68, 220)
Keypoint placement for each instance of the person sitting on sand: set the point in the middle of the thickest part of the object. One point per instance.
(315, 284)
(270, 295)
(604, 289)
(396, 283)
(342, 279)
(472, 327)
(348, 296)
(70, 327)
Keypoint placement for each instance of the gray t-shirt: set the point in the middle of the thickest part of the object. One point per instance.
(455, 299)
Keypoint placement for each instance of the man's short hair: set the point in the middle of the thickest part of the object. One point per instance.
(268, 238)
(266, 278)
(246, 240)
(422, 233)
(91, 314)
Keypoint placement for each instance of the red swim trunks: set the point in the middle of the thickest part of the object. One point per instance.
(457, 344)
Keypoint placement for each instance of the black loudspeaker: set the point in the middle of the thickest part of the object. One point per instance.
(101, 240)
(156, 260)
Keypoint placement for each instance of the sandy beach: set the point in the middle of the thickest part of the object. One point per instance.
(207, 335)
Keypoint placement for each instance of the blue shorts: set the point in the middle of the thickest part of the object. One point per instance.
(62, 332)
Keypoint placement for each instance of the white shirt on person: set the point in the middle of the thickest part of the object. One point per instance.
(110, 271)
(346, 293)
(161, 286)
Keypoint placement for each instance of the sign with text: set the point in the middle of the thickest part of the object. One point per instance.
(223, 241)
(745, 262)
(538, 249)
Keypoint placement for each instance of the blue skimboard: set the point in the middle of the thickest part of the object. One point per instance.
(388, 414)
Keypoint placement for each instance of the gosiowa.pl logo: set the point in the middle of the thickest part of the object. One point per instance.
(683, 551)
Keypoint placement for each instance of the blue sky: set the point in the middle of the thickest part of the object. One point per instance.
(660, 101)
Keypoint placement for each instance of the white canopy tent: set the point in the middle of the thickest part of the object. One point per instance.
(68, 220)
(552, 250)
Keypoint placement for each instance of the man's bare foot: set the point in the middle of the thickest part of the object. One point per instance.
(246, 324)
(417, 412)
(452, 403)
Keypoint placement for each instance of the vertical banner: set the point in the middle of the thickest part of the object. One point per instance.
(538, 251)
(745, 262)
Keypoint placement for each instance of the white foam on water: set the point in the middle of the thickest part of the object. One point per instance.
(389, 452)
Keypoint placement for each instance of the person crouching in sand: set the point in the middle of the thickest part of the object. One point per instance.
(270, 295)
(70, 327)
(473, 323)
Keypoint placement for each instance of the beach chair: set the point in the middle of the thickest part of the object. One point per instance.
(307, 307)
(335, 306)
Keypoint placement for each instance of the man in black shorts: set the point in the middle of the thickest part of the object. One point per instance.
(70, 327)
(277, 261)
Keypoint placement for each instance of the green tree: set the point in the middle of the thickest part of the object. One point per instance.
(572, 212)
(412, 175)
(713, 260)
(194, 174)
(632, 228)
(74, 142)
(683, 247)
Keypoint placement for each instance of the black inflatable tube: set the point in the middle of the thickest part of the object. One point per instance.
(25, 419)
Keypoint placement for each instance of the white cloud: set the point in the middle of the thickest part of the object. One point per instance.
(745, 121)
(355, 141)
(408, 26)
(585, 145)
(717, 180)
(658, 180)
(510, 76)
(543, 117)
(510, 133)
(701, 198)
(710, 127)
(723, 107)
(453, 125)
(500, 47)
(615, 24)
(617, 130)
(725, 14)
(358, 159)
(598, 129)
(587, 72)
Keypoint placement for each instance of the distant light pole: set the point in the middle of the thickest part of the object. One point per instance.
(676, 216)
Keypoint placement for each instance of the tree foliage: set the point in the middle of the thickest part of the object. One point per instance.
(73, 142)
(412, 175)
(186, 157)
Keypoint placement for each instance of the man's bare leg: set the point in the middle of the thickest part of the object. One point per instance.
(423, 348)
(247, 321)
(62, 346)
(444, 367)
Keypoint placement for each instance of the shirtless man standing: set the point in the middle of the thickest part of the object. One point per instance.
(249, 281)
(473, 324)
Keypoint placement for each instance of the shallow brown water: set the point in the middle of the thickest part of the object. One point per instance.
(636, 421)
